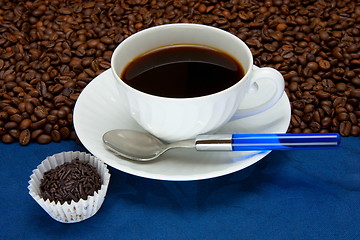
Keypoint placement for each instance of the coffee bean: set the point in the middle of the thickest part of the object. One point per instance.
(36, 133)
(16, 118)
(339, 102)
(29, 107)
(313, 66)
(41, 87)
(336, 52)
(15, 133)
(324, 64)
(38, 124)
(41, 112)
(341, 87)
(12, 110)
(10, 125)
(295, 121)
(350, 108)
(298, 112)
(48, 128)
(55, 135)
(106, 40)
(353, 118)
(317, 116)
(315, 127)
(355, 93)
(25, 124)
(307, 130)
(298, 104)
(64, 132)
(356, 81)
(345, 128)
(328, 110)
(307, 86)
(44, 139)
(322, 94)
(324, 35)
(62, 113)
(343, 116)
(7, 138)
(355, 131)
(309, 108)
(308, 117)
(340, 109)
(52, 119)
(4, 115)
(326, 122)
(293, 86)
(25, 137)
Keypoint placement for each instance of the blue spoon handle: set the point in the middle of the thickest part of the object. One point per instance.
(253, 142)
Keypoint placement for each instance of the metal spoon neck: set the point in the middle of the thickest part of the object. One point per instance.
(190, 143)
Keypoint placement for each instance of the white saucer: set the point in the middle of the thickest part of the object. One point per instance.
(99, 109)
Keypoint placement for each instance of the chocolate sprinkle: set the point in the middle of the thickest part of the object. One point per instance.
(73, 180)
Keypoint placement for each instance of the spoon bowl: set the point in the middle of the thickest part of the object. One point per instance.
(140, 146)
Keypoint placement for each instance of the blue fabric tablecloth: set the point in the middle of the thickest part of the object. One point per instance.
(312, 194)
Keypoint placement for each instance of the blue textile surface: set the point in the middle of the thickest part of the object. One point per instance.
(302, 194)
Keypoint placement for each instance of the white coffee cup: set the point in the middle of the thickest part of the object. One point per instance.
(174, 119)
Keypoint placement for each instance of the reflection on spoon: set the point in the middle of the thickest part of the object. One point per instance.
(140, 146)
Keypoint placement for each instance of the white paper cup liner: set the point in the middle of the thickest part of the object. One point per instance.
(75, 211)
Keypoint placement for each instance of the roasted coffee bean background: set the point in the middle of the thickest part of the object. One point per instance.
(50, 51)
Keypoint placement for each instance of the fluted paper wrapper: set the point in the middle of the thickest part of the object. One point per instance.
(75, 211)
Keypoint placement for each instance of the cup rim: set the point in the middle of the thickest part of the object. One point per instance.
(170, 25)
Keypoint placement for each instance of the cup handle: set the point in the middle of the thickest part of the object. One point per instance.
(259, 87)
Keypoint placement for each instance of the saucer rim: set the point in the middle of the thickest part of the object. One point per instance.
(254, 156)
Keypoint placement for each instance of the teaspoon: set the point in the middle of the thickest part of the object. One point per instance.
(141, 146)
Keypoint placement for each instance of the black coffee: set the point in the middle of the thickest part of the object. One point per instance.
(183, 71)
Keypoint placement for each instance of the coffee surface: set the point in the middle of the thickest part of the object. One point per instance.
(182, 71)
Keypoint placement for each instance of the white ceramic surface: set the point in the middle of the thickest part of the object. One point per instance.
(163, 117)
(99, 109)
